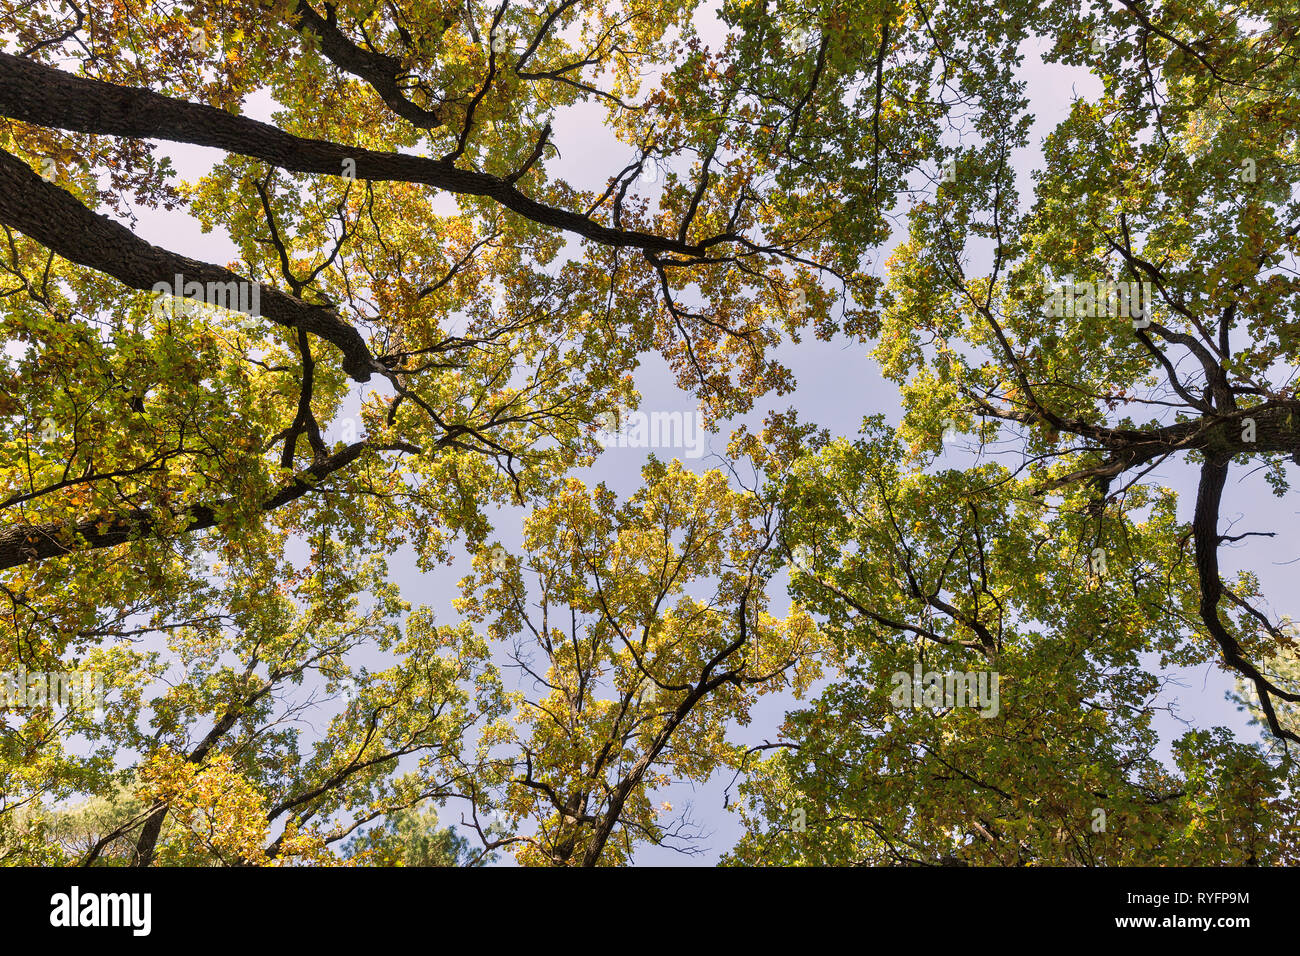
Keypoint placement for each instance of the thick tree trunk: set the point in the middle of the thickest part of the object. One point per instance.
(58, 221)
(48, 97)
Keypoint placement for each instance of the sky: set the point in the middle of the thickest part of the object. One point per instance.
(838, 385)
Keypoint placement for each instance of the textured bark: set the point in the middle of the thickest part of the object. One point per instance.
(1276, 431)
(378, 70)
(149, 833)
(44, 96)
(58, 220)
(1205, 529)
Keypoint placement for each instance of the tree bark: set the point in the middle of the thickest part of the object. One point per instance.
(58, 220)
(44, 96)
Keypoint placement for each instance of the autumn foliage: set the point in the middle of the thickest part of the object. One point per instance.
(209, 503)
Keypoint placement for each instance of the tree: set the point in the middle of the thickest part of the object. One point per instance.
(411, 837)
(206, 469)
(1137, 316)
(967, 573)
(645, 639)
(163, 454)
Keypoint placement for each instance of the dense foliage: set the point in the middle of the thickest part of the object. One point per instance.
(202, 493)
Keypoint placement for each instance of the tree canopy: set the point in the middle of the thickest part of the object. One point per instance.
(207, 470)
